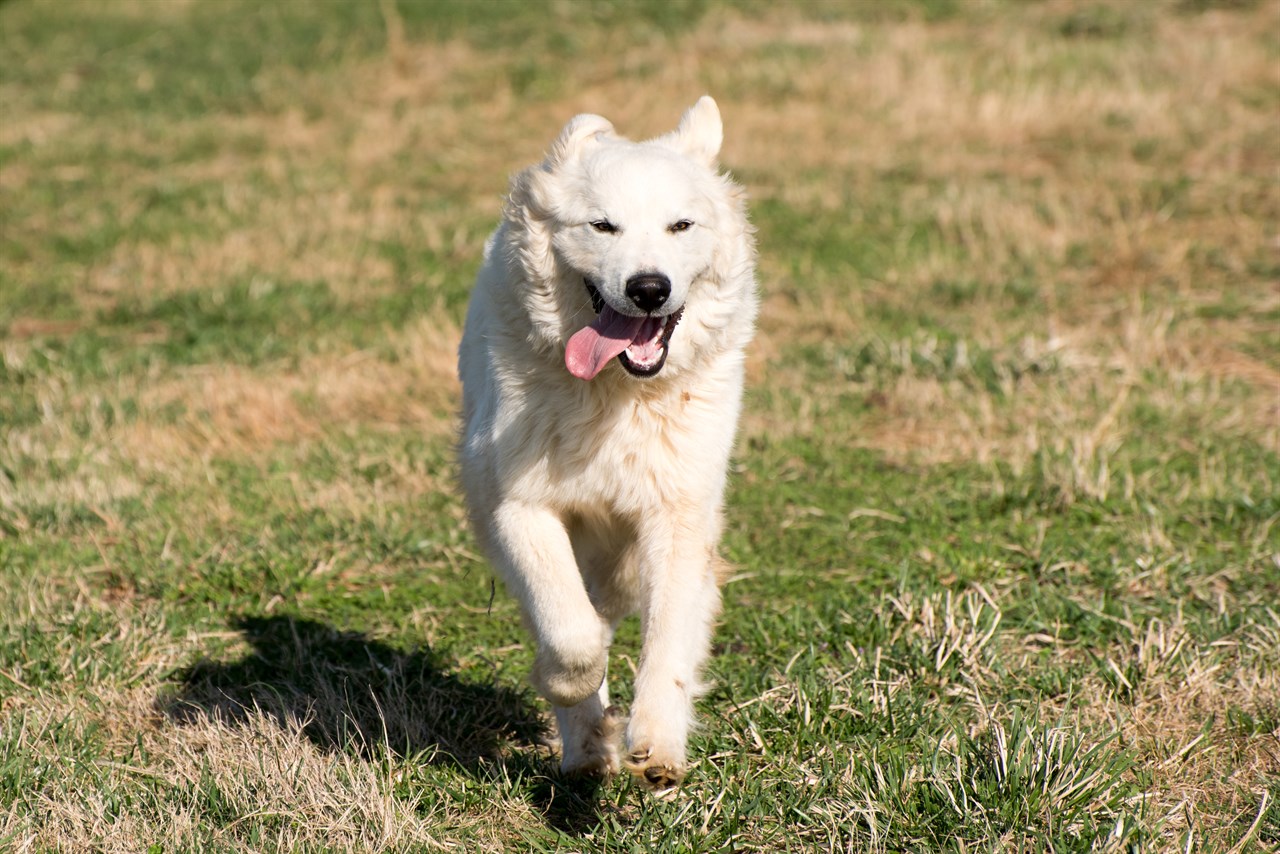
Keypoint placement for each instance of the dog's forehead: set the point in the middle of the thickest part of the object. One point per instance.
(642, 171)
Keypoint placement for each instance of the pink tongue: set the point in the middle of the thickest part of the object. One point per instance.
(591, 348)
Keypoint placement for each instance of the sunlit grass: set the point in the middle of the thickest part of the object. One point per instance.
(1003, 514)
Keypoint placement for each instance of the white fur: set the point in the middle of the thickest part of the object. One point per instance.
(596, 499)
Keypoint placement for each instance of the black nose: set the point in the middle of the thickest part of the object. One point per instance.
(648, 290)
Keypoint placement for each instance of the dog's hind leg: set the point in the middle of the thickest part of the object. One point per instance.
(589, 735)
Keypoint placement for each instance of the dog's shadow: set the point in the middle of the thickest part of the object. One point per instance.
(347, 692)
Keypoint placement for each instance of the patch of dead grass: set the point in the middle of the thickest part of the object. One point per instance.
(1071, 420)
(1168, 698)
(225, 411)
(1033, 159)
(34, 128)
(262, 774)
(860, 101)
(1178, 720)
(233, 410)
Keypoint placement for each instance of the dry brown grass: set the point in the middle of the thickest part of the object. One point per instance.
(258, 767)
(865, 107)
(859, 102)
(1026, 161)
(1204, 775)
(236, 411)
(229, 411)
(281, 766)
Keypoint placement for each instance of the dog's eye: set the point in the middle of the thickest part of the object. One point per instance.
(681, 225)
(604, 226)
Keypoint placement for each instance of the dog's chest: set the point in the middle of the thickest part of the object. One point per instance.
(631, 455)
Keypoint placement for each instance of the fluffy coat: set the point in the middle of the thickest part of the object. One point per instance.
(594, 466)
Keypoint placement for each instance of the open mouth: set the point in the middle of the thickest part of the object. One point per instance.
(639, 343)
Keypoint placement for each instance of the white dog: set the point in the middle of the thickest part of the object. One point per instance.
(602, 368)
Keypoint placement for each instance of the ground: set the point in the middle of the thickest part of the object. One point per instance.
(1003, 513)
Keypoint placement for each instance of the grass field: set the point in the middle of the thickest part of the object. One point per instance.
(1004, 510)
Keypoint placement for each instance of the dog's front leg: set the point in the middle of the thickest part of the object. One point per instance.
(681, 600)
(532, 552)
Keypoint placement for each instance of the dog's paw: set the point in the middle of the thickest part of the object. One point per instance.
(603, 765)
(597, 754)
(658, 773)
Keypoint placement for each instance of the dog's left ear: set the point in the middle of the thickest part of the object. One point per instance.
(699, 133)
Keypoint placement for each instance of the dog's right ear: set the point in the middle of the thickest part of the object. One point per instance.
(533, 191)
(581, 130)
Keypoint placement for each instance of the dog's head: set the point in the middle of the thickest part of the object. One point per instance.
(639, 250)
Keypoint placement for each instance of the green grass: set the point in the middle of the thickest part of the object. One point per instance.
(1003, 513)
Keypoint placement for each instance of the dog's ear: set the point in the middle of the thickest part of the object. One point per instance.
(533, 190)
(699, 133)
(581, 130)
